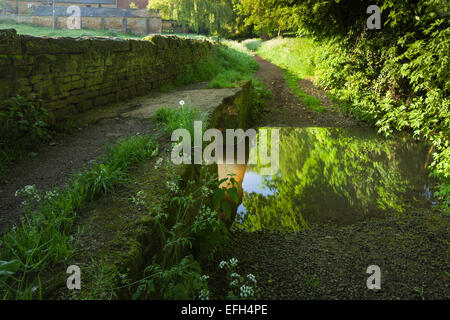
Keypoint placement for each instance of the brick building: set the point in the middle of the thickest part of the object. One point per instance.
(140, 4)
(94, 14)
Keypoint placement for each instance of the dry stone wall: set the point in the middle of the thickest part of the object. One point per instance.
(72, 75)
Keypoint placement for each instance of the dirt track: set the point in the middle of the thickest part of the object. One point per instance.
(286, 109)
(54, 163)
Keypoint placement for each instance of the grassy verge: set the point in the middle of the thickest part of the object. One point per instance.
(44, 237)
(224, 68)
(296, 57)
(39, 31)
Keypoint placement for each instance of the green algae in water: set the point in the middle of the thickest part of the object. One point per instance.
(335, 176)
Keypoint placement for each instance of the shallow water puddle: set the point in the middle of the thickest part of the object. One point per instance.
(333, 175)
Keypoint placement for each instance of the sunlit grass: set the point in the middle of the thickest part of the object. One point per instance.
(252, 44)
(39, 31)
(296, 57)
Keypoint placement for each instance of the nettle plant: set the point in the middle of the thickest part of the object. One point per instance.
(24, 122)
(240, 287)
(184, 224)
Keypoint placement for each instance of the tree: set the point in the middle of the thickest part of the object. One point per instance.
(200, 16)
(268, 17)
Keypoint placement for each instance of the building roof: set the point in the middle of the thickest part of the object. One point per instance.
(8, 8)
(85, 12)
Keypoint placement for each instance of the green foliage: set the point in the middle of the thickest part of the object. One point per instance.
(396, 85)
(22, 125)
(189, 224)
(296, 55)
(443, 195)
(183, 281)
(225, 193)
(200, 16)
(225, 66)
(396, 78)
(102, 180)
(267, 17)
(44, 235)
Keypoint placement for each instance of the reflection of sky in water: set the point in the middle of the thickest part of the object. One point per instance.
(253, 183)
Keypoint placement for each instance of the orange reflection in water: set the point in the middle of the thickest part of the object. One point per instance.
(238, 172)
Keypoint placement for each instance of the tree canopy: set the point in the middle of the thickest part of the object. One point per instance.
(200, 16)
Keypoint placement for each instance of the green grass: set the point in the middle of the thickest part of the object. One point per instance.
(252, 44)
(49, 32)
(312, 102)
(180, 118)
(296, 57)
(228, 64)
(44, 236)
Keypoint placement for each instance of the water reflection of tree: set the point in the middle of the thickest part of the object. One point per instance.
(323, 171)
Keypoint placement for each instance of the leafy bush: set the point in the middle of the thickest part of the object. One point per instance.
(396, 84)
(23, 124)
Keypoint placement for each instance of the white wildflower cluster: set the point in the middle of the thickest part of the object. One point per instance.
(204, 277)
(241, 287)
(206, 191)
(246, 292)
(204, 294)
(251, 278)
(230, 263)
(30, 193)
(173, 187)
(234, 283)
(159, 163)
(139, 199)
(233, 262)
(206, 217)
(27, 191)
(51, 194)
